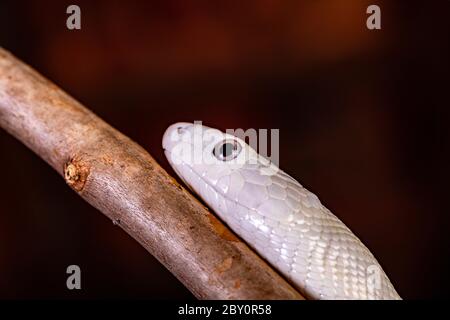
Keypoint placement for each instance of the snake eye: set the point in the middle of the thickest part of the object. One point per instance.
(227, 150)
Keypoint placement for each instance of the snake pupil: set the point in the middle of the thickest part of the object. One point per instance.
(227, 149)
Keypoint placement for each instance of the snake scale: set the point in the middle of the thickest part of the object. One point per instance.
(284, 222)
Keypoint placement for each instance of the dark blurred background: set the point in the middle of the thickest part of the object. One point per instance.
(362, 119)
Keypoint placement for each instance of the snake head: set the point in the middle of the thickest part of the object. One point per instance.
(201, 155)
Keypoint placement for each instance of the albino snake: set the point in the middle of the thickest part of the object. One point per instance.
(285, 223)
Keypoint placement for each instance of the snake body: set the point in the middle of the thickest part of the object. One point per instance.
(284, 222)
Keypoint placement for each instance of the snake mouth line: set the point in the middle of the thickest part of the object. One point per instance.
(204, 181)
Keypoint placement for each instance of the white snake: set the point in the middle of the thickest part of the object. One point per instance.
(285, 223)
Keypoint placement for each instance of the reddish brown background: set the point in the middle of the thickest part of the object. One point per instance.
(362, 119)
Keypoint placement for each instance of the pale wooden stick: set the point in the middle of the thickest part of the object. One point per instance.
(123, 181)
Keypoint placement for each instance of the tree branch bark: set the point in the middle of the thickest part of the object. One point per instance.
(123, 181)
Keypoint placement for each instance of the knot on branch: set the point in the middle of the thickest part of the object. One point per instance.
(76, 173)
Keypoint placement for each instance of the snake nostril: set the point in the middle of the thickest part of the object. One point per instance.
(180, 130)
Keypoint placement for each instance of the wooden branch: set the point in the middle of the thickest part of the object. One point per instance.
(123, 181)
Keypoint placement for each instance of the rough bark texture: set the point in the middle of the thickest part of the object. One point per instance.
(123, 181)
